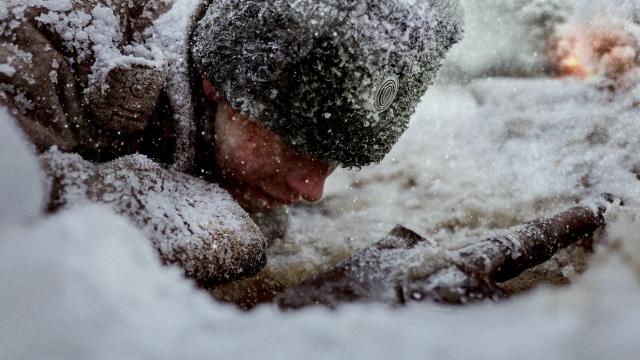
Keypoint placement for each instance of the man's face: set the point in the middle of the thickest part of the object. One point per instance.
(260, 170)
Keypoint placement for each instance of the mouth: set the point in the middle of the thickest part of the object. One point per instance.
(256, 199)
(284, 200)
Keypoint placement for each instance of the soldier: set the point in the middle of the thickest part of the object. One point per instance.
(145, 105)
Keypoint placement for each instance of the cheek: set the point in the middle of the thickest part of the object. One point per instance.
(244, 150)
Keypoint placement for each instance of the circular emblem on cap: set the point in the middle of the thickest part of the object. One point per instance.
(385, 94)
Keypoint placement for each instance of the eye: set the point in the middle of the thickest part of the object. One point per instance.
(385, 93)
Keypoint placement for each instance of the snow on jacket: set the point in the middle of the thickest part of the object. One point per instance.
(105, 79)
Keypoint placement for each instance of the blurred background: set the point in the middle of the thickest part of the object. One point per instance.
(518, 37)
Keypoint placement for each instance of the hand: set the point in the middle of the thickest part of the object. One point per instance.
(192, 223)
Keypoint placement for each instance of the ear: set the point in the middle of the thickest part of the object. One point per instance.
(210, 92)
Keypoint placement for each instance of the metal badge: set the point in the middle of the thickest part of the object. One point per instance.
(385, 94)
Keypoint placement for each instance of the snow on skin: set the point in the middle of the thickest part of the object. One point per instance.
(477, 158)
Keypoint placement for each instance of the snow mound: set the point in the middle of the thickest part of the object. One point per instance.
(22, 196)
(87, 284)
(107, 297)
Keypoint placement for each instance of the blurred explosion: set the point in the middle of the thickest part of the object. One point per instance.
(587, 49)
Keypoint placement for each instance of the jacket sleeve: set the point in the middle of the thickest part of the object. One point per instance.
(191, 223)
(34, 78)
(75, 75)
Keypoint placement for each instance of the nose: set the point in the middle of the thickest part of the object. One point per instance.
(307, 178)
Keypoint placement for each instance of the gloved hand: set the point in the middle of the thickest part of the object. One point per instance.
(192, 223)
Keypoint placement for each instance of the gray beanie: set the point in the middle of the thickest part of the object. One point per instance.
(338, 79)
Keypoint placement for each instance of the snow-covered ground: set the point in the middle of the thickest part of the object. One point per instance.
(86, 284)
(480, 156)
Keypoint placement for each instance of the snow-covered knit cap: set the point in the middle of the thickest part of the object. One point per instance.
(338, 79)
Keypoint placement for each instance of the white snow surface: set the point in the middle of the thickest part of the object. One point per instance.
(479, 157)
(22, 194)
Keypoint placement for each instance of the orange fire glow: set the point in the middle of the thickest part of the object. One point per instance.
(584, 50)
(572, 66)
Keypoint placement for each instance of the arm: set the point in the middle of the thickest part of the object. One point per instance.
(80, 84)
(192, 223)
